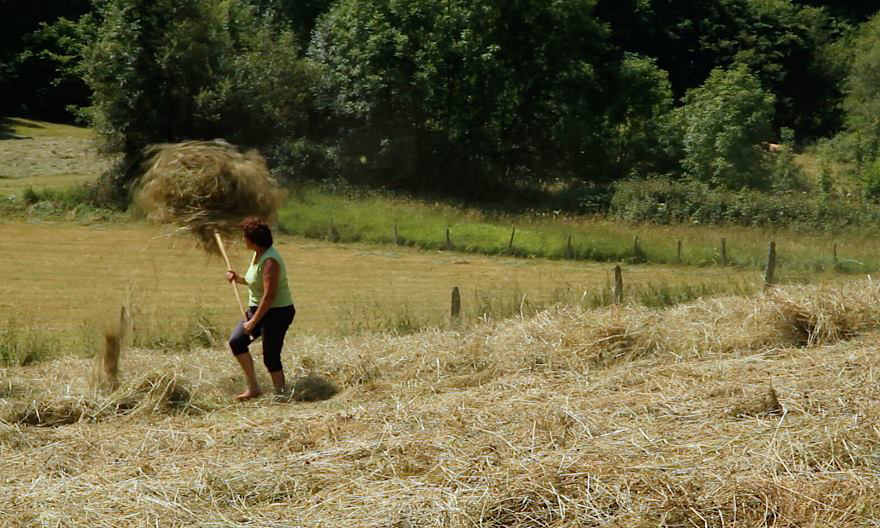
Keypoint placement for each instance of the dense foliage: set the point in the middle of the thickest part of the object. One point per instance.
(782, 43)
(170, 70)
(671, 202)
(468, 97)
(723, 123)
(862, 103)
(435, 95)
(34, 76)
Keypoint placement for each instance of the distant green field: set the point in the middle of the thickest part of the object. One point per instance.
(373, 217)
(41, 129)
(40, 155)
(48, 156)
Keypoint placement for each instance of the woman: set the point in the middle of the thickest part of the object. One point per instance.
(270, 311)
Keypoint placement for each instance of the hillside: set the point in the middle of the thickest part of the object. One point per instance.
(613, 417)
(44, 155)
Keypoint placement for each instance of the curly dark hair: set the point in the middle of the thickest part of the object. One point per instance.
(257, 231)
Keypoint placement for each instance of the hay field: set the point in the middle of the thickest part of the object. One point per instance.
(46, 156)
(623, 417)
(63, 277)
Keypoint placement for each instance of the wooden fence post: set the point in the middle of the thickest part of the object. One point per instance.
(771, 265)
(394, 235)
(448, 239)
(569, 253)
(723, 251)
(834, 258)
(510, 244)
(618, 285)
(456, 304)
(678, 252)
(333, 235)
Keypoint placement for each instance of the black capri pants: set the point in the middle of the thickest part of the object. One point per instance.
(272, 327)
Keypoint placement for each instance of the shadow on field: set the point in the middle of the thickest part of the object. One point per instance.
(7, 124)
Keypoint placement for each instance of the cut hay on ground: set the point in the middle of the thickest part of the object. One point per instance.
(206, 186)
(717, 413)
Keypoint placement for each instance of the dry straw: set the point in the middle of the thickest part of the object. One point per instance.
(206, 187)
(108, 371)
(731, 412)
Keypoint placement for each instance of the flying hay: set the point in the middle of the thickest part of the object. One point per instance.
(206, 186)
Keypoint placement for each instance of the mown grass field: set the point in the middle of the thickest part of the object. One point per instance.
(614, 417)
(44, 155)
(68, 280)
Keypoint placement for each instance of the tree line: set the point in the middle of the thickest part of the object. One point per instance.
(463, 97)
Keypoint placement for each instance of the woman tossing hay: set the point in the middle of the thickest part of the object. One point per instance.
(270, 307)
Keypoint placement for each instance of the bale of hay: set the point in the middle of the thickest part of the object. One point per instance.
(206, 186)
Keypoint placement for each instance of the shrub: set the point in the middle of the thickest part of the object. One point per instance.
(871, 180)
(722, 124)
(665, 201)
(785, 174)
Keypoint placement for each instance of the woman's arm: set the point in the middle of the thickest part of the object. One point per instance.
(271, 273)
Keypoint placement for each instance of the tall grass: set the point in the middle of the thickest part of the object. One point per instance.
(79, 202)
(198, 330)
(343, 215)
(479, 305)
(21, 345)
(375, 218)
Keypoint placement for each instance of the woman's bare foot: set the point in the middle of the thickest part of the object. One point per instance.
(249, 395)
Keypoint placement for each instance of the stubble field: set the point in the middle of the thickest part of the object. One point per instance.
(731, 412)
(64, 278)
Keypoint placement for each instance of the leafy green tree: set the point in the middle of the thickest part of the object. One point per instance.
(784, 44)
(723, 123)
(688, 39)
(170, 70)
(299, 15)
(637, 115)
(862, 104)
(854, 11)
(34, 82)
(443, 95)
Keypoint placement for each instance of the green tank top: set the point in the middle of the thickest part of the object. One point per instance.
(254, 279)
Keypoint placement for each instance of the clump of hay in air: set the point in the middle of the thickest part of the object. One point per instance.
(108, 375)
(206, 186)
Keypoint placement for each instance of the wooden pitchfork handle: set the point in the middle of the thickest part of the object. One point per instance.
(229, 268)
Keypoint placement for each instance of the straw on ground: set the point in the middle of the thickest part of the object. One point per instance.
(622, 416)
